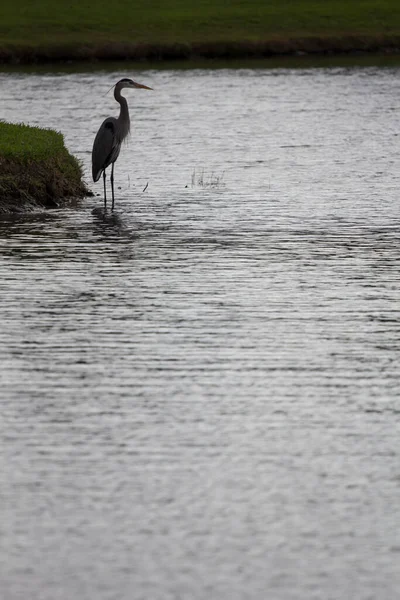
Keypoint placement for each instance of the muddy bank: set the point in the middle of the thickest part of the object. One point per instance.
(36, 169)
(311, 45)
(26, 187)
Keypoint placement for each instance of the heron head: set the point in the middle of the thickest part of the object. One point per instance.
(129, 83)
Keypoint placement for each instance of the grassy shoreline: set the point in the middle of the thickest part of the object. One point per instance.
(52, 30)
(36, 169)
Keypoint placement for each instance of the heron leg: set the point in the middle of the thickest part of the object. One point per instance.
(105, 193)
(112, 185)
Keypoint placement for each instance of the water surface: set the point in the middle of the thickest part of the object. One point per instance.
(200, 392)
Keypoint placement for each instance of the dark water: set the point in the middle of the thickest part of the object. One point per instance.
(200, 394)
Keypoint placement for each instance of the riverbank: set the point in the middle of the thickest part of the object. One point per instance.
(350, 45)
(49, 31)
(36, 169)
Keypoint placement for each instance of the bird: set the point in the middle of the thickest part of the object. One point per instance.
(112, 132)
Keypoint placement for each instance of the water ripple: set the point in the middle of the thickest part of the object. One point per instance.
(199, 393)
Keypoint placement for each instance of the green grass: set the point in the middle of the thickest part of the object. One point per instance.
(23, 143)
(36, 169)
(59, 24)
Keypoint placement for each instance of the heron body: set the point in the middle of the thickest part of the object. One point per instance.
(112, 132)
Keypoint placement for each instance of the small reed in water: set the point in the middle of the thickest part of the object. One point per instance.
(213, 180)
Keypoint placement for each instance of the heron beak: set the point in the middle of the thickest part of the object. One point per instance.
(144, 87)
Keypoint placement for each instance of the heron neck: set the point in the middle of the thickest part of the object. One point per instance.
(124, 111)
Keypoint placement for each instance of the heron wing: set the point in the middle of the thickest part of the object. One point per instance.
(106, 147)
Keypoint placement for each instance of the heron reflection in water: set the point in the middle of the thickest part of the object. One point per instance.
(107, 143)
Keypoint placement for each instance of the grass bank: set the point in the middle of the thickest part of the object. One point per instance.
(36, 170)
(49, 30)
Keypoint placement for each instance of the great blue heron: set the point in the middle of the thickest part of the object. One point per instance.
(107, 143)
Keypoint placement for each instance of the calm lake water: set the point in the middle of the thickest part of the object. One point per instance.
(200, 394)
